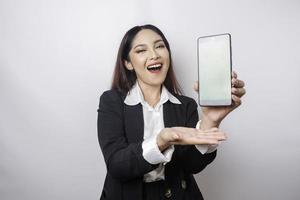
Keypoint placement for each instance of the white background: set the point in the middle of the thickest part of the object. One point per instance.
(57, 57)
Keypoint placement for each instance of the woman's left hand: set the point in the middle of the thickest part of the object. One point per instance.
(213, 115)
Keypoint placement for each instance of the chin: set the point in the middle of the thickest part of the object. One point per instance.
(156, 83)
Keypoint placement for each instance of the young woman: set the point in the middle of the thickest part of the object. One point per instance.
(147, 129)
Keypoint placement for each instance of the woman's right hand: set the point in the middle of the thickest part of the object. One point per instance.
(188, 136)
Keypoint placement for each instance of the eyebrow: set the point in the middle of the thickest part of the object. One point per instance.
(156, 41)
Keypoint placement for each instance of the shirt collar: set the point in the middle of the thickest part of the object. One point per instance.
(135, 96)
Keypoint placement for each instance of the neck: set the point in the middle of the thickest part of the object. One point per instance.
(151, 93)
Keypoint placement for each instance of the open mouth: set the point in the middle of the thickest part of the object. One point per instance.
(155, 67)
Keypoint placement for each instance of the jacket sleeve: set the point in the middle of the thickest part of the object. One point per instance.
(124, 161)
(189, 157)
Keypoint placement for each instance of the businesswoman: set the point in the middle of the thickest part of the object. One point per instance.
(147, 129)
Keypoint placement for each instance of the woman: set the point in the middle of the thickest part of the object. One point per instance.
(146, 129)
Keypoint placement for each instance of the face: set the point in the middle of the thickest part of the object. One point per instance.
(149, 58)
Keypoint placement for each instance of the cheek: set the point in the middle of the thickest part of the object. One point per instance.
(138, 62)
(166, 56)
(167, 60)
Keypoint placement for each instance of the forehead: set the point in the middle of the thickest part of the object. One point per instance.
(146, 36)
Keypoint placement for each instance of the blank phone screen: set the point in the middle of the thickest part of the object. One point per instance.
(214, 62)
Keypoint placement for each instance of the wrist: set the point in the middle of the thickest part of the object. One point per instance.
(207, 123)
(161, 143)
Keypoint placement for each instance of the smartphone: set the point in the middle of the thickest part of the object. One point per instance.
(214, 70)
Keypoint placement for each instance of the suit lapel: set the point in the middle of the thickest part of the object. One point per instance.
(170, 117)
(134, 123)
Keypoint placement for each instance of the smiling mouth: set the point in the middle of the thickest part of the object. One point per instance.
(154, 68)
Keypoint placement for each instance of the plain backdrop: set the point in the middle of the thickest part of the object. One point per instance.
(57, 57)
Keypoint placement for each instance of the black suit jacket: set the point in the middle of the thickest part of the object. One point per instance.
(120, 134)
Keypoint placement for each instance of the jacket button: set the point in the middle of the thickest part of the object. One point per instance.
(183, 184)
(168, 193)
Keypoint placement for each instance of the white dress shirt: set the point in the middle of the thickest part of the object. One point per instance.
(153, 124)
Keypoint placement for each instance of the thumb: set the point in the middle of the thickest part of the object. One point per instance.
(196, 86)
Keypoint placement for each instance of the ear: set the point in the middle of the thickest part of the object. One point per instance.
(128, 65)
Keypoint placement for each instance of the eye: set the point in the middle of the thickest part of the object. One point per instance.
(160, 46)
(140, 50)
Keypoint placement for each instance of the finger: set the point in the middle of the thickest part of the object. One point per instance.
(219, 139)
(212, 135)
(196, 86)
(237, 101)
(240, 83)
(233, 81)
(238, 91)
(237, 83)
(181, 129)
(195, 141)
(202, 141)
(234, 74)
(192, 131)
(183, 133)
(204, 138)
(218, 136)
(198, 139)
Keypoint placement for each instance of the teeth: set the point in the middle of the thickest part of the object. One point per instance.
(153, 66)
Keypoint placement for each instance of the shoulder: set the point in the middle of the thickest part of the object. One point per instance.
(111, 99)
(112, 95)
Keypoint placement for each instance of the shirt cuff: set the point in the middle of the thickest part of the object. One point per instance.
(205, 148)
(212, 148)
(152, 154)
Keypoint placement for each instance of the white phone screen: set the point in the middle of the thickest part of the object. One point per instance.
(214, 70)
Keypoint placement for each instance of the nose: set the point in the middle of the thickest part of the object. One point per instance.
(154, 55)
